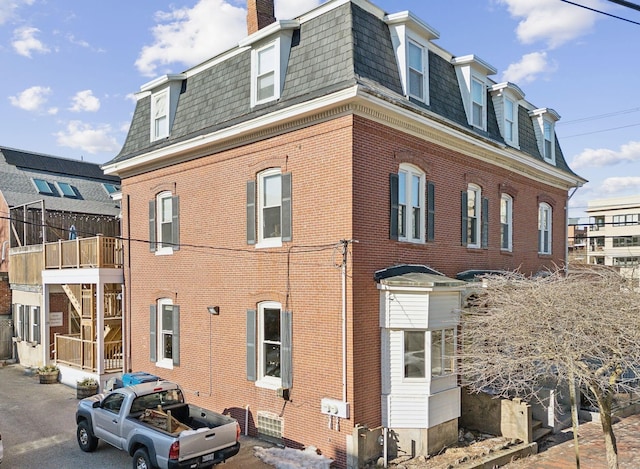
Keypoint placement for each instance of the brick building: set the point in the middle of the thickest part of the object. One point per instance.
(298, 208)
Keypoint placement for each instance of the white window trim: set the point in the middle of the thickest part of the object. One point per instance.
(161, 250)
(469, 68)
(509, 200)
(34, 319)
(478, 213)
(513, 122)
(483, 104)
(545, 208)
(552, 141)
(502, 93)
(425, 70)
(427, 357)
(443, 349)
(162, 362)
(255, 54)
(268, 382)
(262, 241)
(154, 98)
(411, 171)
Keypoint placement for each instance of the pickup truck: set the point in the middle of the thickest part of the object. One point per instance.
(153, 423)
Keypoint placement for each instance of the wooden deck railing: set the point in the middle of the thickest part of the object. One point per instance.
(73, 351)
(97, 252)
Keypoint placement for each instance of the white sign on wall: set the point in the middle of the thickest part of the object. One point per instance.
(55, 319)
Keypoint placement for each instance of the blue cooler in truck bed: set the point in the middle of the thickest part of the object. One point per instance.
(129, 379)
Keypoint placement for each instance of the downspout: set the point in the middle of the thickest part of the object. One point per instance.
(128, 290)
(345, 245)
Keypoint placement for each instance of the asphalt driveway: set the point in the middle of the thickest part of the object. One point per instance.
(37, 424)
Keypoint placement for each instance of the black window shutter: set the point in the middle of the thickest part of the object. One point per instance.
(393, 212)
(251, 212)
(153, 343)
(175, 337)
(285, 342)
(286, 207)
(152, 225)
(464, 218)
(251, 345)
(485, 222)
(431, 210)
(175, 222)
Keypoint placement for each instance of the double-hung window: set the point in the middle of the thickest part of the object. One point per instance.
(272, 209)
(544, 228)
(164, 333)
(509, 120)
(269, 338)
(442, 352)
(506, 222)
(27, 320)
(412, 205)
(266, 73)
(548, 141)
(164, 226)
(477, 103)
(475, 216)
(416, 71)
(160, 115)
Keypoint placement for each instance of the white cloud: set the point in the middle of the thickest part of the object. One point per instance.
(596, 158)
(287, 9)
(8, 8)
(33, 99)
(190, 35)
(88, 138)
(551, 21)
(620, 185)
(25, 41)
(529, 67)
(85, 101)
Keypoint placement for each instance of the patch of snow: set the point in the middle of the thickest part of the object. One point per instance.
(289, 458)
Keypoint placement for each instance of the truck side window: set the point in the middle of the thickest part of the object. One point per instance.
(113, 402)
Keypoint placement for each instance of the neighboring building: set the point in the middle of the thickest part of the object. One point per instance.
(576, 242)
(614, 233)
(62, 252)
(298, 208)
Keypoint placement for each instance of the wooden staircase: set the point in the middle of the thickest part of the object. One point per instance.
(539, 432)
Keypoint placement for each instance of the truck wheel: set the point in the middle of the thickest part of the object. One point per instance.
(141, 459)
(86, 440)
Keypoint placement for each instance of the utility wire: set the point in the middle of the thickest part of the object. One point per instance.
(599, 116)
(624, 3)
(600, 131)
(601, 12)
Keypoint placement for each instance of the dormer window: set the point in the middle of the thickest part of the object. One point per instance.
(270, 48)
(160, 115)
(544, 124)
(472, 75)
(165, 92)
(265, 74)
(410, 37)
(506, 97)
(417, 60)
(477, 103)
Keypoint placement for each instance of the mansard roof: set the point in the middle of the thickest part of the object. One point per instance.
(344, 45)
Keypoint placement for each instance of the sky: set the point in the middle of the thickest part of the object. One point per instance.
(70, 68)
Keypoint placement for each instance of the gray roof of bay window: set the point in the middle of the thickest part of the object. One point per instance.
(336, 50)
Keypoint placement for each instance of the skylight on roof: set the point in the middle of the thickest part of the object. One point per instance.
(67, 190)
(111, 188)
(43, 186)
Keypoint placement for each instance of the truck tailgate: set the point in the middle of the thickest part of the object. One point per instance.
(219, 433)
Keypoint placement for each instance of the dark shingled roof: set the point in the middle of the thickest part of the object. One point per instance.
(333, 51)
(19, 168)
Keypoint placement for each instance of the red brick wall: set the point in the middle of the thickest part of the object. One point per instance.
(5, 294)
(340, 173)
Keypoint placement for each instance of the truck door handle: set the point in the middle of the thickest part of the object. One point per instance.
(115, 421)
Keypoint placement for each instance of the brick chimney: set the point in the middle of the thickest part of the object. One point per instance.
(260, 13)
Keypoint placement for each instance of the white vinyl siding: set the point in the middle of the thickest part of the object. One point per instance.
(419, 410)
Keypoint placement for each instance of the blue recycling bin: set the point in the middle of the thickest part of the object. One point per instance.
(129, 379)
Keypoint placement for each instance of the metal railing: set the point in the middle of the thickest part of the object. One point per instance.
(96, 252)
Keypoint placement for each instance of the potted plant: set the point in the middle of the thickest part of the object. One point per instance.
(86, 387)
(48, 374)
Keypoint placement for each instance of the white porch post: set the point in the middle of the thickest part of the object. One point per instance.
(100, 327)
(45, 327)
